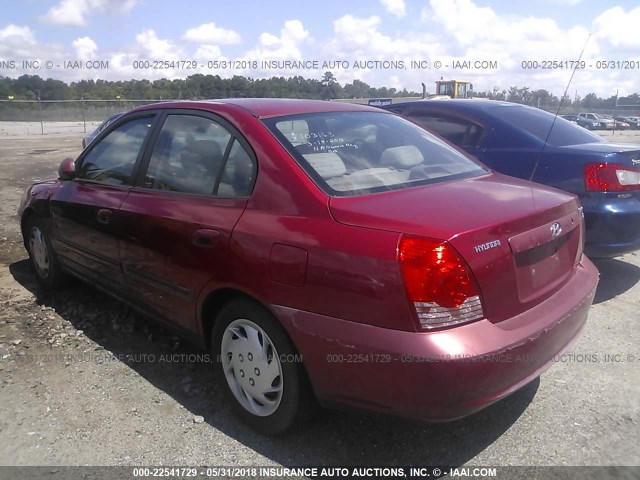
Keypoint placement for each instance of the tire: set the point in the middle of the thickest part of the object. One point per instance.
(266, 385)
(43, 258)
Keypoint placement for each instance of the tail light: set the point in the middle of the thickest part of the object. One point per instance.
(438, 282)
(611, 177)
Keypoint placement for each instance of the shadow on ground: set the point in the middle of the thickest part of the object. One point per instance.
(616, 277)
(333, 438)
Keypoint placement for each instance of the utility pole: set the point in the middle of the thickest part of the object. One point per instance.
(615, 107)
(84, 120)
(41, 113)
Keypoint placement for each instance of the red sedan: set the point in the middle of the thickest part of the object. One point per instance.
(322, 251)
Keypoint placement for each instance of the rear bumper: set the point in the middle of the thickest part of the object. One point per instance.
(612, 228)
(438, 376)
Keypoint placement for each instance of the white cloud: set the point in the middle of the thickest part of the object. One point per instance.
(156, 48)
(286, 46)
(17, 42)
(68, 13)
(293, 32)
(85, 48)
(74, 12)
(569, 3)
(16, 34)
(147, 47)
(361, 39)
(482, 33)
(396, 7)
(472, 25)
(208, 52)
(619, 28)
(208, 33)
(360, 32)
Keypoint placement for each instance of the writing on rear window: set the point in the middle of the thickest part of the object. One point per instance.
(352, 153)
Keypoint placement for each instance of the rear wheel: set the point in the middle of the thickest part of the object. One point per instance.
(43, 258)
(259, 368)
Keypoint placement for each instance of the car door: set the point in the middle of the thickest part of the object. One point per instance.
(191, 191)
(85, 210)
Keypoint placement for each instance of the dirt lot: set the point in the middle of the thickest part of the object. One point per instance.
(76, 387)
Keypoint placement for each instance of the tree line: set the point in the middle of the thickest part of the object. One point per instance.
(543, 98)
(199, 86)
(194, 87)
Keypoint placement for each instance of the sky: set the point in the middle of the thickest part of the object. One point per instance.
(392, 43)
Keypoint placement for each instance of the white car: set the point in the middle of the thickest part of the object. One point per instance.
(602, 121)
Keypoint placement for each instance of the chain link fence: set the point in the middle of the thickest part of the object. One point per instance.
(619, 111)
(34, 117)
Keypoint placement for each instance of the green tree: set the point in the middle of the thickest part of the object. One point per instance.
(329, 84)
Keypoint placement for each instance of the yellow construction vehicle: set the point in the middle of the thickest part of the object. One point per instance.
(453, 89)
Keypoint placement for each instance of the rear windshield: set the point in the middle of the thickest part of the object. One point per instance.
(354, 153)
(538, 123)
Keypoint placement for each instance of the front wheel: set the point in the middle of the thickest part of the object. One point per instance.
(43, 258)
(260, 368)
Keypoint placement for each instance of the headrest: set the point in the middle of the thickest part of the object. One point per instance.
(327, 165)
(404, 156)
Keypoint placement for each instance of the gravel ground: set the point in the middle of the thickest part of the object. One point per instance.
(85, 381)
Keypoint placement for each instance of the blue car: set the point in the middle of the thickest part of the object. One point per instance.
(90, 137)
(518, 140)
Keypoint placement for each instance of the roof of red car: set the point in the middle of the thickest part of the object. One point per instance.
(273, 107)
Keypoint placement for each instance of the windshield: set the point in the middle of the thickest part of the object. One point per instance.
(538, 123)
(353, 153)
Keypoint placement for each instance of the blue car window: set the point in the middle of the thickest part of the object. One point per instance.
(457, 131)
(538, 124)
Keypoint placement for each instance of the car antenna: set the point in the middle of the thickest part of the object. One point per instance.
(559, 107)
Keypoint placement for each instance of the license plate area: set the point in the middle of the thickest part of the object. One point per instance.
(545, 256)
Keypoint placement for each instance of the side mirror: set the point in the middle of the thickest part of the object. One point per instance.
(67, 169)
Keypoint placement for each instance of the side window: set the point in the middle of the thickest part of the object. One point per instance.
(458, 131)
(238, 175)
(189, 157)
(445, 89)
(112, 159)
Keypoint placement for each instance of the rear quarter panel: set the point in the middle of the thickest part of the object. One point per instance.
(350, 273)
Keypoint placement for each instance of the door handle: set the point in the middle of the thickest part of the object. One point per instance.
(205, 237)
(104, 215)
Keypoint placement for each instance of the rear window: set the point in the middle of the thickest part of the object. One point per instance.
(354, 153)
(538, 123)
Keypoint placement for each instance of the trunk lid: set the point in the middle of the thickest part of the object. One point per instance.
(521, 243)
(626, 155)
(626, 149)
